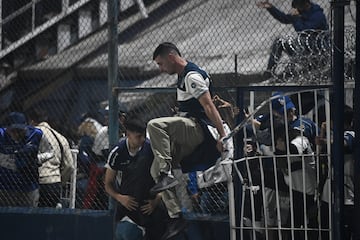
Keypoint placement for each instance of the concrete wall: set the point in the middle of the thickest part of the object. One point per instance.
(55, 224)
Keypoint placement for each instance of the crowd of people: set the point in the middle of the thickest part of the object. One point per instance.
(295, 173)
(36, 161)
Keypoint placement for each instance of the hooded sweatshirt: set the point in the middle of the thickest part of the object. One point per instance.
(313, 18)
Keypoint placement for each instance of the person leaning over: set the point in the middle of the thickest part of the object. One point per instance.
(304, 15)
(128, 181)
(175, 138)
(19, 177)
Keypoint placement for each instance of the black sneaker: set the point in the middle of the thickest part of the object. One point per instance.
(174, 227)
(266, 75)
(166, 181)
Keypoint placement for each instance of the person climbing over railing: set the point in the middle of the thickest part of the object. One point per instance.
(304, 15)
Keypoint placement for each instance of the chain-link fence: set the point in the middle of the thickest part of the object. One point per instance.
(54, 62)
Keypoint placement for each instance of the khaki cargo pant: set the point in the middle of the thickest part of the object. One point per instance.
(172, 139)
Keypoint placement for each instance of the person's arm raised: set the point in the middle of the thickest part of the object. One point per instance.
(264, 4)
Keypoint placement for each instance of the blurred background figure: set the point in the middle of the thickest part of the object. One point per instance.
(55, 158)
(19, 176)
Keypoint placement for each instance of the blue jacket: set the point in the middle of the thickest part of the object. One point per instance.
(314, 18)
(18, 161)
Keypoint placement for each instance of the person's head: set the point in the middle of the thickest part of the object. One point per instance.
(283, 103)
(104, 115)
(36, 116)
(348, 117)
(122, 116)
(135, 131)
(301, 5)
(166, 56)
(15, 124)
(280, 131)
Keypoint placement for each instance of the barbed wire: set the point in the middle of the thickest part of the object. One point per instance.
(309, 57)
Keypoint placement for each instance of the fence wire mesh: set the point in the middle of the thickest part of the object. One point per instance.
(54, 68)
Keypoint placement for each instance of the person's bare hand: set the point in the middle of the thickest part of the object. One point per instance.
(294, 12)
(246, 113)
(150, 206)
(320, 140)
(127, 201)
(236, 111)
(248, 148)
(221, 103)
(220, 145)
(195, 198)
(264, 4)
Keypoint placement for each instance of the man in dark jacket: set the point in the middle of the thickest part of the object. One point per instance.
(304, 15)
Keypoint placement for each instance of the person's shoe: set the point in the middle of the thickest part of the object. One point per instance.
(174, 227)
(166, 181)
(266, 75)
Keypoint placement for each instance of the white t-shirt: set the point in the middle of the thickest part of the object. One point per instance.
(101, 141)
(195, 86)
(304, 179)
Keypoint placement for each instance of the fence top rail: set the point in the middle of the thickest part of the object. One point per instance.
(284, 88)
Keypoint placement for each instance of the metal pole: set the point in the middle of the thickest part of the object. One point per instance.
(33, 15)
(239, 153)
(1, 26)
(74, 154)
(338, 118)
(357, 127)
(113, 10)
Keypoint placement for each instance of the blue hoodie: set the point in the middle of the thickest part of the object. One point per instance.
(18, 161)
(313, 18)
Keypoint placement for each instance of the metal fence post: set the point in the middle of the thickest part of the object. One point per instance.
(239, 152)
(338, 118)
(357, 125)
(113, 10)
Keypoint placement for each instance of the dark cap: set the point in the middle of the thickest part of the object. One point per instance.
(278, 104)
(15, 120)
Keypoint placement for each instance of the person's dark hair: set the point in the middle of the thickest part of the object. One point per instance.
(299, 3)
(37, 115)
(135, 124)
(280, 130)
(348, 117)
(165, 48)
